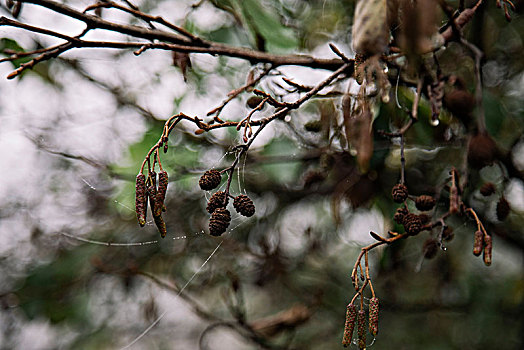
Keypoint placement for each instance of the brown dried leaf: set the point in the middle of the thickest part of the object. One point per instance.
(182, 61)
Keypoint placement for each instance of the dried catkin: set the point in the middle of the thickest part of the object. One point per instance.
(373, 316)
(160, 224)
(361, 329)
(161, 193)
(140, 201)
(488, 247)
(478, 243)
(351, 318)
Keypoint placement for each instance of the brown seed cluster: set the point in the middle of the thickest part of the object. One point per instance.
(399, 193)
(425, 202)
(358, 319)
(244, 205)
(482, 150)
(216, 206)
(412, 224)
(146, 190)
(219, 222)
(210, 180)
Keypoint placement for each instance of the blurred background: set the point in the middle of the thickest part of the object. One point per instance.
(75, 130)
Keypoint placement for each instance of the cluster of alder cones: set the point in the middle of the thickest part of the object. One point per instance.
(146, 190)
(358, 318)
(413, 223)
(216, 206)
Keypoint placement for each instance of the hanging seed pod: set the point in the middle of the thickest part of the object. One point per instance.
(425, 202)
(210, 180)
(400, 215)
(430, 248)
(487, 189)
(454, 202)
(151, 194)
(140, 199)
(482, 150)
(503, 209)
(244, 205)
(488, 247)
(399, 193)
(217, 200)
(161, 193)
(373, 316)
(361, 329)
(478, 243)
(160, 224)
(351, 318)
(219, 222)
(424, 218)
(412, 224)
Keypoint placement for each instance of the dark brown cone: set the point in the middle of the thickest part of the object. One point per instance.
(210, 180)
(488, 246)
(361, 329)
(482, 150)
(161, 193)
(425, 202)
(254, 101)
(351, 318)
(503, 209)
(430, 248)
(219, 222)
(244, 205)
(400, 214)
(373, 316)
(217, 201)
(412, 224)
(487, 189)
(140, 199)
(460, 103)
(478, 243)
(399, 193)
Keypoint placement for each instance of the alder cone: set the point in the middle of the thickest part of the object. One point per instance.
(210, 180)
(425, 202)
(482, 150)
(217, 200)
(503, 209)
(219, 222)
(400, 214)
(244, 205)
(412, 224)
(399, 193)
(487, 189)
(254, 101)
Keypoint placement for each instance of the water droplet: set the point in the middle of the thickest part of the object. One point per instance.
(435, 122)
(353, 152)
(386, 69)
(444, 248)
(287, 119)
(385, 98)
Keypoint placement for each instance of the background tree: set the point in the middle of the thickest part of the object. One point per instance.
(415, 136)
